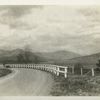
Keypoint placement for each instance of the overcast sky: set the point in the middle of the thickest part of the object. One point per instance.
(51, 28)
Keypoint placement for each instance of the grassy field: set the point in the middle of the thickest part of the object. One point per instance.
(4, 72)
(76, 86)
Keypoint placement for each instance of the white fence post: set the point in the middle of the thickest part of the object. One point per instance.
(57, 71)
(54, 69)
(65, 74)
(51, 68)
(92, 71)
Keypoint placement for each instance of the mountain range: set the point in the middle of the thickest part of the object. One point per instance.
(43, 57)
(86, 60)
(56, 57)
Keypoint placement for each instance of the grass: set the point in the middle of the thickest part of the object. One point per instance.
(4, 72)
(76, 86)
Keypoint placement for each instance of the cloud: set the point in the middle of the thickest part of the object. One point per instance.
(50, 28)
(10, 15)
(17, 11)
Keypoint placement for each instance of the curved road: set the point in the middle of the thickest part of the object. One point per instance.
(26, 82)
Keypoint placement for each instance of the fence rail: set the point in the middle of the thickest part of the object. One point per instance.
(55, 69)
(46, 67)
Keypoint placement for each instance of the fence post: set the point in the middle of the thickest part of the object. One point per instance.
(57, 71)
(92, 71)
(81, 71)
(54, 70)
(73, 70)
(65, 74)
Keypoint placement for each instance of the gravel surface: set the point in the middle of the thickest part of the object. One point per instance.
(26, 82)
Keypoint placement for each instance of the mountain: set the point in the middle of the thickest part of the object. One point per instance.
(14, 56)
(18, 56)
(89, 59)
(58, 56)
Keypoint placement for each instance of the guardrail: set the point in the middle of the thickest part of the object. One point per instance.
(45, 67)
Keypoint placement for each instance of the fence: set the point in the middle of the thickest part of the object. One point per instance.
(46, 67)
(82, 71)
(57, 70)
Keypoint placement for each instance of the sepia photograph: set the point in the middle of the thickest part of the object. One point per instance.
(49, 50)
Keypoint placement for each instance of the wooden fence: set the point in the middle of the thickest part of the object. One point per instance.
(82, 71)
(46, 67)
(55, 69)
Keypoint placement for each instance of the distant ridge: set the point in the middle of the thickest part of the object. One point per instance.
(89, 59)
(58, 55)
(46, 57)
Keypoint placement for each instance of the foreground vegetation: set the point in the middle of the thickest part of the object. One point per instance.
(4, 72)
(76, 86)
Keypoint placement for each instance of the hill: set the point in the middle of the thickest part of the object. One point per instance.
(18, 56)
(15, 56)
(89, 59)
(57, 56)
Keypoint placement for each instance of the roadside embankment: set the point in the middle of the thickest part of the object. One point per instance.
(76, 86)
(4, 72)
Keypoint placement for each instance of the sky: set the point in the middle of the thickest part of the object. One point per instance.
(50, 28)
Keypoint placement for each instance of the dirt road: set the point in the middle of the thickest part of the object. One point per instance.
(26, 82)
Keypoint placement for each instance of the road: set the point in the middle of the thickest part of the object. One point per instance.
(26, 82)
